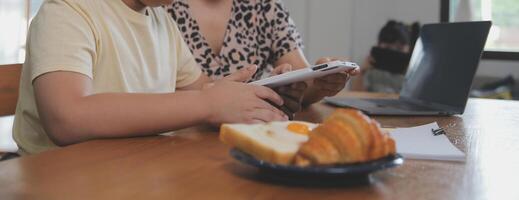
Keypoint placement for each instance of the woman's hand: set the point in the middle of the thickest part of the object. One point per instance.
(328, 85)
(230, 101)
(292, 94)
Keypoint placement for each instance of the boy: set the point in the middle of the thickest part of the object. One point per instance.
(119, 68)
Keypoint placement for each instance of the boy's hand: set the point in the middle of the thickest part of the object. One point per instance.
(230, 101)
(292, 94)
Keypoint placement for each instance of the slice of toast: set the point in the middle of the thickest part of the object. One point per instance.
(270, 142)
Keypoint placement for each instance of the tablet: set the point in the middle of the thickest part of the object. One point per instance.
(306, 74)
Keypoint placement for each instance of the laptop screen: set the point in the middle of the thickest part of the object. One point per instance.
(444, 62)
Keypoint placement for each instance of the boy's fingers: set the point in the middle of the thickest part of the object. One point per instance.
(265, 105)
(255, 121)
(267, 115)
(242, 75)
(268, 94)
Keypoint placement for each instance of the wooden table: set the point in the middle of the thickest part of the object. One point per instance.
(194, 165)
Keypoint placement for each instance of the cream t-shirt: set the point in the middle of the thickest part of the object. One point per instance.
(120, 49)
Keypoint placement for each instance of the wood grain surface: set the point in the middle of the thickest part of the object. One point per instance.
(193, 164)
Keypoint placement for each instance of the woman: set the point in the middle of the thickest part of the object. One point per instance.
(225, 35)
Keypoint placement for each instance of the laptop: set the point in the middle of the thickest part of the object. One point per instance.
(440, 73)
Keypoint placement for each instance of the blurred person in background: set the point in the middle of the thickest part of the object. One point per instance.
(384, 68)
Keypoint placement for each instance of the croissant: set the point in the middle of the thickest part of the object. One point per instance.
(347, 136)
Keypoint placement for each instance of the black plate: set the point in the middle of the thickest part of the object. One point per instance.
(354, 173)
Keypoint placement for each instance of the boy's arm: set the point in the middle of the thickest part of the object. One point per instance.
(71, 113)
(199, 84)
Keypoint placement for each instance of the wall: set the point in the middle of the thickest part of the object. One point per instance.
(371, 15)
(350, 27)
(323, 35)
(497, 68)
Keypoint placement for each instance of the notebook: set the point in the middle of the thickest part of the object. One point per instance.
(426, 142)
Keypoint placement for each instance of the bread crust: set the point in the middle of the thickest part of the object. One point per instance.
(355, 136)
(235, 139)
(318, 149)
(360, 123)
(344, 139)
(378, 149)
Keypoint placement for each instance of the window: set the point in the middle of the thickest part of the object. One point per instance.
(15, 16)
(503, 40)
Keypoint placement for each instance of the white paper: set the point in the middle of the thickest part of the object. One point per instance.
(420, 143)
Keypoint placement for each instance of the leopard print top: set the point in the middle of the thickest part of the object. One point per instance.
(259, 32)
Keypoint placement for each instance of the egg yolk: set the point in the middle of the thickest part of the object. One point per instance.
(299, 128)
